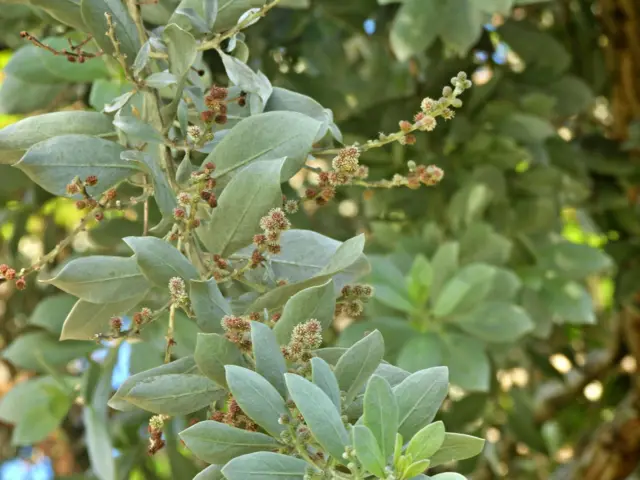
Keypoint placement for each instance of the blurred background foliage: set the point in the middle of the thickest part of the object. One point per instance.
(537, 220)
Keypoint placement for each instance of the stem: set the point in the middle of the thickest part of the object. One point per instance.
(170, 330)
(218, 39)
(145, 213)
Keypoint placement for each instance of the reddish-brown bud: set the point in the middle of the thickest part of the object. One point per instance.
(21, 283)
(242, 101)
(195, 223)
(111, 194)
(92, 202)
(211, 183)
(221, 119)
(81, 59)
(213, 201)
(116, 323)
(310, 193)
(91, 180)
(23, 34)
(178, 213)
(274, 249)
(276, 316)
(207, 116)
(99, 216)
(409, 140)
(256, 258)
(10, 274)
(71, 58)
(205, 195)
(323, 177)
(81, 204)
(137, 318)
(3, 268)
(255, 316)
(209, 166)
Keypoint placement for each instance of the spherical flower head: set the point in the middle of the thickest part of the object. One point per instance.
(178, 213)
(81, 204)
(116, 323)
(218, 93)
(405, 126)
(306, 336)
(231, 322)
(427, 123)
(456, 103)
(448, 114)
(291, 206)
(267, 223)
(21, 283)
(259, 240)
(177, 287)
(346, 163)
(146, 313)
(431, 175)
(280, 219)
(207, 116)
(447, 91)
(274, 248)
(91, 180)
(408, 139)
(256, 258)
(338, 178)
(3, 268)
(272, 237)
(362, 172)
(428, 105)
(156, 422)
(354, 308)
(194, 132)
(184, 199)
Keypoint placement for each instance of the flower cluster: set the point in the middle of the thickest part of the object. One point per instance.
(8, 273)
(140, 318)
(216, 105)
(272, 225)
(78, 186)
(156, 424)
(234, 416)
(304, 338)
(352, 299)
(345, 168)
(178, 291)
(237, 330)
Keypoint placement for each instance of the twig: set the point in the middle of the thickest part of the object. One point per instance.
(74, 53)
(170, 330)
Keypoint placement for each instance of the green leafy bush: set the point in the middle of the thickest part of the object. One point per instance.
(217, 261)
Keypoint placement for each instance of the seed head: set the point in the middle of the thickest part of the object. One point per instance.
(430, 175)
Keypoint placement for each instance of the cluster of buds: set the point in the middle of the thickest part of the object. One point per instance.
(272, 225)
(116, 325)
(352, 299)
(345, 168)
(78, 186)
(8, 273)
(216, 104)
(220, 267)
(235, 417)
(425, 119)
(238, 331)
(428, 175)
(205, 183)
(178, 292)
(304, 338)
(156, 424)
(142, 317)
